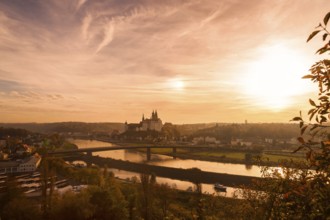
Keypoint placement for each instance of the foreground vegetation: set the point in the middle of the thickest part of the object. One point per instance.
(301, 193)
(109, 198)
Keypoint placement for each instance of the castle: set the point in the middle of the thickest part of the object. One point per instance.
(154, 123)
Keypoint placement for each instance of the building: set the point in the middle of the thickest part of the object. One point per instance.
(211, 140)
(22, 149)
(205, 140)
(3, 144)
(29, 164)
(3, 156)
(146, 124)
(241, 142)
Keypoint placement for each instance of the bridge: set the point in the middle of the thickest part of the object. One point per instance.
(89, 150)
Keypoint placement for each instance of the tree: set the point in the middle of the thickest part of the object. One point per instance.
(13, 191)
(282, 193)
(164, 194)
(130, 193)
(108, 204)
(73, 206)
(48, 175)
(21, 209)
(318, 147)
(302, 192)
(248, 157)
(148, 184)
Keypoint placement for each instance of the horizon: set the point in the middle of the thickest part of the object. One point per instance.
(114, 122)
(195, 62)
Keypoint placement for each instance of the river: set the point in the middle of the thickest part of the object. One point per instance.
(167, 161)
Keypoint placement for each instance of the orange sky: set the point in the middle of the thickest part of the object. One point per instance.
(194, 61)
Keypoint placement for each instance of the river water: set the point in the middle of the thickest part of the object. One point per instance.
(168, 161)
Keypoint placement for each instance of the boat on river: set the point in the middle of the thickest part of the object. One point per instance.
(219, 187)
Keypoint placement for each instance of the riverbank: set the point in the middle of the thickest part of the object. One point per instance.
(193, 175)
(246, 157)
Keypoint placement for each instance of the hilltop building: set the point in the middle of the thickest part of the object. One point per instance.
(146, 124)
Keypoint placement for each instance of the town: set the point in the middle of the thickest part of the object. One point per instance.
(22, 150)
(164, 110)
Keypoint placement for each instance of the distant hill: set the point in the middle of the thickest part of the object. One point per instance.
(189, 129)
(67, 127)
(263, 130)
(12, 132)
(218, 130)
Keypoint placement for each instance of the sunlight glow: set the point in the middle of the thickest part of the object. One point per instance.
(176, 84)
(274, 79)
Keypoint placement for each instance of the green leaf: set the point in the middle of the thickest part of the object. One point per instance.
(301, 140)
(302, 131)
(326, 18)
(323, 49)
(314, 127)
(325, 36)
(297, 119)
(323, 119)
(311, 111)
(308, 77)
(312, 35)
(312, 115)
(324, 98)
(312, 102)
(298, 149)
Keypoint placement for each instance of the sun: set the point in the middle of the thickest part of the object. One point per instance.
(176, 84)
(274, 79)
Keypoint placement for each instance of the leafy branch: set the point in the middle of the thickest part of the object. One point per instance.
(317, 125)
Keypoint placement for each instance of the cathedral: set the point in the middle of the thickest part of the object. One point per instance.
(146, 124)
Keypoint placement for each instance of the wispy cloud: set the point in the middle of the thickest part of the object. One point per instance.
(85, 27)
(117, 57)
(8, 86)
(108, 36)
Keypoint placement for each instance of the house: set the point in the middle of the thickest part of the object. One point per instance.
(211, 140)
(236, 142)
(3, 156)
(246, 143)
(198, 140)
(22, 148)
(241, 142)
(269, 141)
(29, 164)
(3, 144)
(205, 140)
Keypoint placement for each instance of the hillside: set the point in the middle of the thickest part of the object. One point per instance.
(81, 127)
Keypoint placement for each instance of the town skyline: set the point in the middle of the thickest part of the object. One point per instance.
(192, 61)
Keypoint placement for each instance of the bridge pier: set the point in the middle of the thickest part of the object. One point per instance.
(148, 154)
(174, 152)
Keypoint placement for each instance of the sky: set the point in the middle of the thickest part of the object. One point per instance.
(194, 61)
